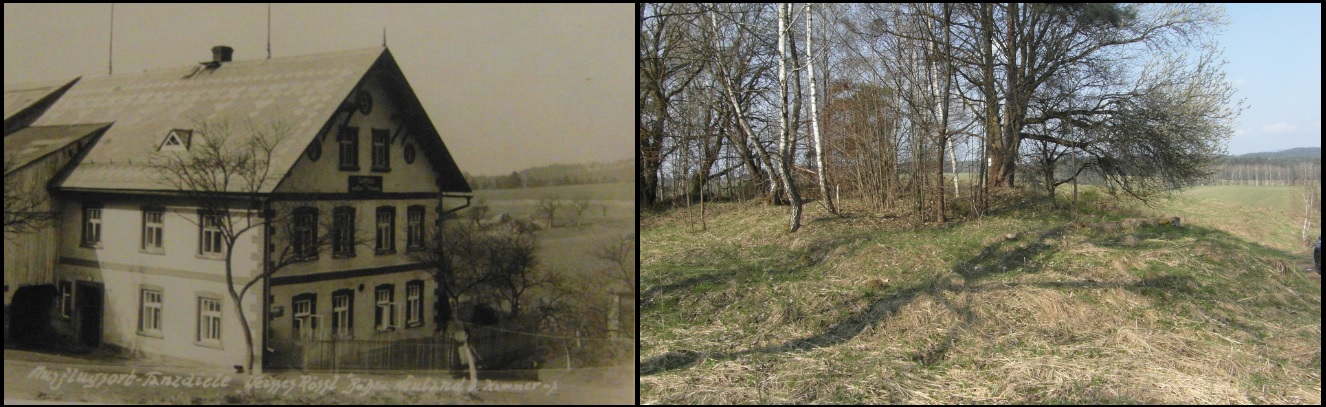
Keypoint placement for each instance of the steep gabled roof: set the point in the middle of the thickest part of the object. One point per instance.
(32, 143)
(301, 92)
(24, 101)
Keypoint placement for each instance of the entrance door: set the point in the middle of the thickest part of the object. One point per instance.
(89, 308)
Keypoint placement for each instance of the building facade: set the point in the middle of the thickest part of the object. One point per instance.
(359, 178)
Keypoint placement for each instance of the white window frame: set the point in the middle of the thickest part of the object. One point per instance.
(92, 226)
(342, 314)
(306, 326)
(66, 298)
(414, 228)
(209, 235)
(210, 312)
(343, 232)
(384, 315)
(386, 230)
(149, 312)
(348, 144)
(154, 226)
(381, 149)
(414, 304)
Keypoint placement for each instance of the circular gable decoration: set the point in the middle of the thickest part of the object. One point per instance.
(365, 101)
(409, 153)
(314, 150)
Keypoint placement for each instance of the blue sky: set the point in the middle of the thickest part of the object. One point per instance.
(1274, 54)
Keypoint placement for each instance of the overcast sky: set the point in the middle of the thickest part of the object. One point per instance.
(508, 86)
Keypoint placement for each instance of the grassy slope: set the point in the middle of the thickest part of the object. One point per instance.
(863, 310)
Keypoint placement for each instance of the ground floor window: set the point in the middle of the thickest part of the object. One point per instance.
(414, 304)
(305, 309)
(149, 313)
(385, 312)
(209, 321)
(342, 318)
(66, 299)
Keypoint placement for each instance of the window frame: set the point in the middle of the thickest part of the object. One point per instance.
(385, 228)
(343, 315)
(144, 327)
(384, 305)
(309, 319)
(66, 299)
(415, 232)
(414, 304)
(381, 151)
(92, 225)
(305, 230)
(148, 227)
(347, 140)
(215, 231)
(208, 330)
(343, 232)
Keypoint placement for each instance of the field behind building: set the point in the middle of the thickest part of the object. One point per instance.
(1021, 306)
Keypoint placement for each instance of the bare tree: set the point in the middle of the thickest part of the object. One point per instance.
(478, 211)
(548, 205)
(224, 172)
(515, 267)
(579, 204)
(619, 253)
(27, 207)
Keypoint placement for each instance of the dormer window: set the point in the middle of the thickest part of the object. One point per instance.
(176, 140)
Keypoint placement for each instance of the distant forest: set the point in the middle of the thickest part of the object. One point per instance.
(1276, 168)
(556, 175)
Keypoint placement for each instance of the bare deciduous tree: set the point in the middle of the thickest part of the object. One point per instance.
(27, 207)
(224, 172)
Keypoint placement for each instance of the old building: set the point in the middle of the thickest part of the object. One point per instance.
(139, 265)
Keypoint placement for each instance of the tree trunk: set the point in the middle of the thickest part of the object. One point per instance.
(814, 120)
(784, 143)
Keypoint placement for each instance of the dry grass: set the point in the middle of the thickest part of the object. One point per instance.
(849, 310)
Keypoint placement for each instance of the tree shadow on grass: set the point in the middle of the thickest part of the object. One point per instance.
(1021, 255)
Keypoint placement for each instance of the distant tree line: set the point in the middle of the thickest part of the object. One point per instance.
(555, 175)
(1263, 170)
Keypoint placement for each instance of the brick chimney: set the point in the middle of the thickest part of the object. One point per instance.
(222, 53)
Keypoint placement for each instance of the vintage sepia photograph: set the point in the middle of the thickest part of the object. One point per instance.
(320, 204)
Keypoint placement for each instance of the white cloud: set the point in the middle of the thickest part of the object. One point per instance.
(1279, 128)
(1238, 82)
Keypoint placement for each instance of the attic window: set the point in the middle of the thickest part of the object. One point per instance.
(176, 140)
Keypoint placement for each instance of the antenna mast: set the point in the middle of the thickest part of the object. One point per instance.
(269, 30)
(110, 56)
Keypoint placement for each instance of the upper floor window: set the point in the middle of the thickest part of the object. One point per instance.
(381, 150)
(176, 140)
(92, 225)
(343, 232)
(349, 142)
(210, 242)
(386, 236)
(153, 225)
(414, 238)
(305, 233)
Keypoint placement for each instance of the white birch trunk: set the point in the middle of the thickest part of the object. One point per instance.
(814, 118)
